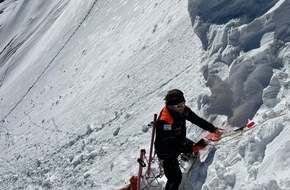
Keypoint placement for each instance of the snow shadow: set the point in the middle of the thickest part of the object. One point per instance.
(198, 174)
(221, 11)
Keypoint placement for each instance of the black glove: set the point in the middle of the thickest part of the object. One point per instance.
(187, 146)
(201, 142)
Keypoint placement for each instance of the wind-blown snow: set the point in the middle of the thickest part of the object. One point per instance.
(80, 81)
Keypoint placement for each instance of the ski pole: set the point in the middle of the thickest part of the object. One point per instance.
(151, 147)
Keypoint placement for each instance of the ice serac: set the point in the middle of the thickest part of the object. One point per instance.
(246, 37)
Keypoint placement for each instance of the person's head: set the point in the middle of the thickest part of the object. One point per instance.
(175, 100)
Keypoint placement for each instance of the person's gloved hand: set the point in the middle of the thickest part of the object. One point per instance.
(201, 142)
(186, 147)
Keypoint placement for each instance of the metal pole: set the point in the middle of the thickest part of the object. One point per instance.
(141, 165)
(151, 147)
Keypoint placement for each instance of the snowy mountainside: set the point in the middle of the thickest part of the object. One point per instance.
(80, 81)
(89, 82)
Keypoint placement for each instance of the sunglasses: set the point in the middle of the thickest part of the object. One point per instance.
(180, 105)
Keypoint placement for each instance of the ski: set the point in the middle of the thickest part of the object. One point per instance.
(236, 132)
(204, 146)
(213, 139)
(203, 154)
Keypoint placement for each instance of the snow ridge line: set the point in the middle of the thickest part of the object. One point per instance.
(45, 69)
(2, 78)
(175, 76)
(123, 110)
(7, 45)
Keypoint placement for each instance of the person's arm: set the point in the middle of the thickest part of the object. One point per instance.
(200, 122)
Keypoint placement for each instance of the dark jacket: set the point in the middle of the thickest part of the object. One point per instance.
(171, 132)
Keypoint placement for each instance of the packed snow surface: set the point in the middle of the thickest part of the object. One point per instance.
(80, 81)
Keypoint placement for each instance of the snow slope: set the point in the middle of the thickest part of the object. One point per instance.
(80, 81)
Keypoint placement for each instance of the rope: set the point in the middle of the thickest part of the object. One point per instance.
(154, 178)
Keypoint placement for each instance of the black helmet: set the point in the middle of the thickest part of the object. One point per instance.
(174, 97)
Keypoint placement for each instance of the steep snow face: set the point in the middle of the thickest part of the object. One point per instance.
(248, 38)
(80, 81)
